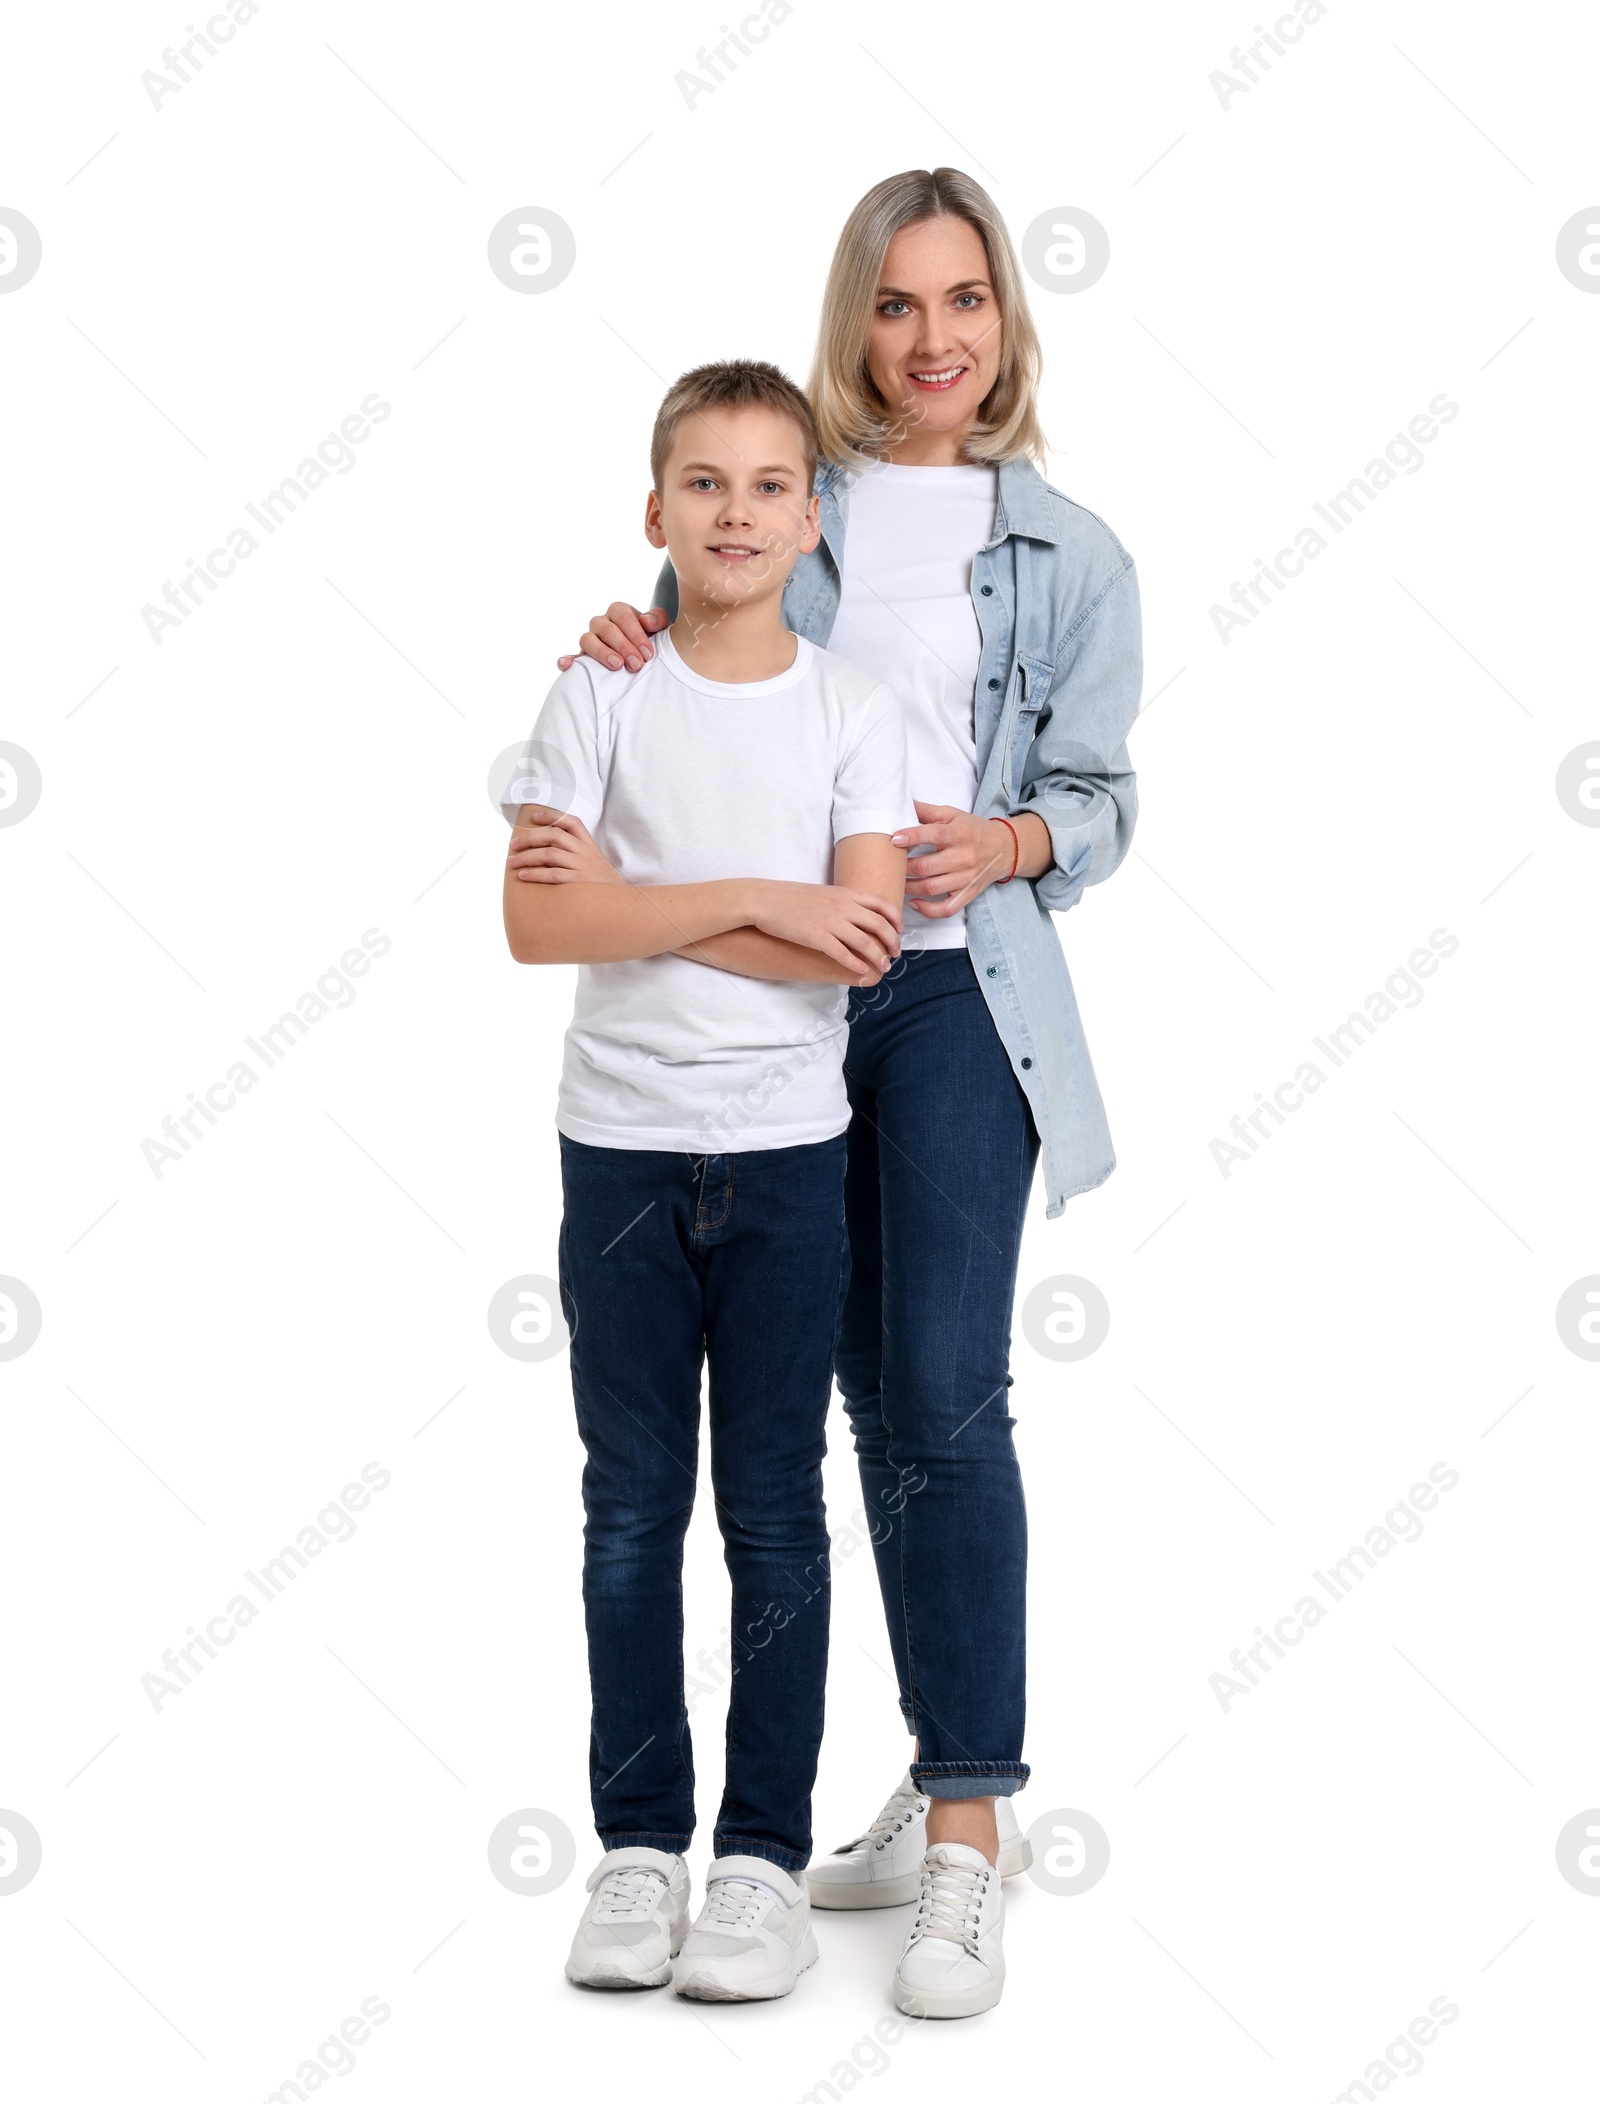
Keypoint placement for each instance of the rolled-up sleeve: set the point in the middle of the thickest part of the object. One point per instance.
(1077, 776)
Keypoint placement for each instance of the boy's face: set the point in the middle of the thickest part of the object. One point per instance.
(734, 509)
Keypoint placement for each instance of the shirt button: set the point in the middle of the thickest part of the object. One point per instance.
(1027, 1062)
(991, 971)
(987, 590)
(994, 686)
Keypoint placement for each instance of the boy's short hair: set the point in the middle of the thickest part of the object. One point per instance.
(732, 383)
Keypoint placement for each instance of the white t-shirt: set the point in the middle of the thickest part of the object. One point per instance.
(906, 614)
(684, 780)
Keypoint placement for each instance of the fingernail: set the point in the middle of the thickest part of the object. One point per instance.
(615, 664)
(634, 664)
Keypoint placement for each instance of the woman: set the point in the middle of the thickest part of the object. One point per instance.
(1007, 619)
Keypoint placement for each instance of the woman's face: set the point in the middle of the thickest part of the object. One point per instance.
(934, 349)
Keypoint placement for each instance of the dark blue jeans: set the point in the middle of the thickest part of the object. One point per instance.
(942, 1154)
(737, 1262)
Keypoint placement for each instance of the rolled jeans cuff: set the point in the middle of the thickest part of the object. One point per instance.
(668, 1844)
(767, 1851)
(956, 1779)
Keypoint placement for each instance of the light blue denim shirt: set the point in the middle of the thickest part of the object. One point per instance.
(1059, 675)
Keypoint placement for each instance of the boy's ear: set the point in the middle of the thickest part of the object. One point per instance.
(811, 528)
(654, 532)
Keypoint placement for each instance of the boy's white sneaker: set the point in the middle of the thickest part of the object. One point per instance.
(883, 1866)
(751, 1940)
(635, 1922)
(953, 1963)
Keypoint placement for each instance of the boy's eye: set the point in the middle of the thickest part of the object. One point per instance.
(703, 482)
(770, 489)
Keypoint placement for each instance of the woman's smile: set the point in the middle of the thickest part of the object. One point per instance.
(938, 381)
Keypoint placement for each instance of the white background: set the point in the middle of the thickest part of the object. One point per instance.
(305, 1291)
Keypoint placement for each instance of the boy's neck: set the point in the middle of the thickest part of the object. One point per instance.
(733, 645)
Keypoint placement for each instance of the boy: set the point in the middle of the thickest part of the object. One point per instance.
(702, 1113)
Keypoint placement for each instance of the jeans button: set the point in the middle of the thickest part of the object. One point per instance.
(994, 686)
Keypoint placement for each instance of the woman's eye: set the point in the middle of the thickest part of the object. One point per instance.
(969, 300)
(892, 310)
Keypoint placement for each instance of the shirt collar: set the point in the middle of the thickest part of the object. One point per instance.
(1027, 504)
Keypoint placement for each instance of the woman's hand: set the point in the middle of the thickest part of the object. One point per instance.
(969, 854)
(562, 852)
(854, 928)
(620, 636)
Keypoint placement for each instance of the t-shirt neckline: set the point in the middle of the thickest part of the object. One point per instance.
(963, 472)
(734, 689)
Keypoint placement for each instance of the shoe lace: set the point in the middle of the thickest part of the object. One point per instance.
(732, 1903)
(629, 1894)
(902, 1808)
(952, 1902)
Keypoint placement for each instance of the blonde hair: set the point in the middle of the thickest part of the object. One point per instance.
(852, 419)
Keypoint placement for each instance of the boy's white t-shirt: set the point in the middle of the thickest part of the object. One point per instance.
(906, 613)
(685, 780)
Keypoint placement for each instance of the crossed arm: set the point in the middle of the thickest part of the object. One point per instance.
(565, 904)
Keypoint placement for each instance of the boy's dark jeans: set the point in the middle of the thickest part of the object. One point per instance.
(738, 1260)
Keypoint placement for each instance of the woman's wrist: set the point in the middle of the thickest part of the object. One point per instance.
(1035, 853)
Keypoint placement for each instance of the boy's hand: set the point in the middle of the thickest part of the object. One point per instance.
(854, 928)
(620, 635)
(562, 852)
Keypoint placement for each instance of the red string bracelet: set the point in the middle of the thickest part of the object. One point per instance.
(1016, 848)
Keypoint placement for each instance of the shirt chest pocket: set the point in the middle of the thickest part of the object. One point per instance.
(1032, 685)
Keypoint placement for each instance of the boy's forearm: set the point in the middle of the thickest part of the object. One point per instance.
(612, 923)
(754, 955)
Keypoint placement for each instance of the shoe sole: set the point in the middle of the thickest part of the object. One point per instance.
(1016, 1854)
(622, 1983)
(706, 1987)
(938, 2002)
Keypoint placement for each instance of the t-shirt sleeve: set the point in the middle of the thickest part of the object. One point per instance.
(870, 792)
(560, 763)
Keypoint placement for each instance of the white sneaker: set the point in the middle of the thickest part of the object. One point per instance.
(752, 1938)
(883, 1866)
(635, 1922)
(953, 1963)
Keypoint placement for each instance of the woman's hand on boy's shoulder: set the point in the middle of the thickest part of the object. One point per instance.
(620, 636)
(558, 850)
